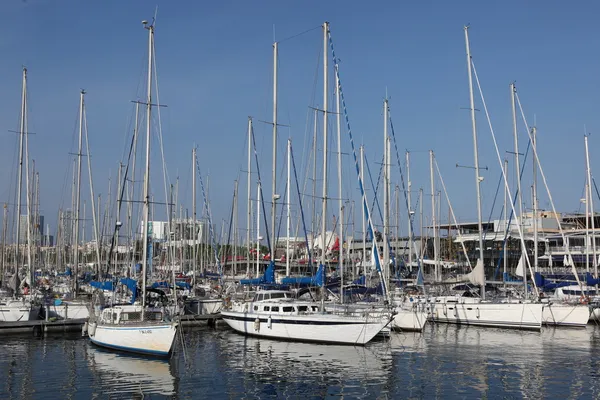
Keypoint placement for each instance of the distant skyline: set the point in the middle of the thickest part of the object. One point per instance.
(215, 69)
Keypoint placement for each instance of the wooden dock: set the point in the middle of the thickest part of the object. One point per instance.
(40, 327)
(197, 320)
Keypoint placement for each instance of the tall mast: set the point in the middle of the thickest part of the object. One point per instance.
(386, 194)
(505, 250)
(146, 208)
(519, 217)
(22, 133)
(325, 107)
(235, 218)
(591, 209)
(535, 203)
(4, 228)
(421, 244)
(274, 176)
(364, 228)
(289, 210)
(314, 183)
(341, 201)
(78, 198)
(194, 216)
(475, 153)
(408, 195)
(258, 200)
(249, 216)
(433, 218)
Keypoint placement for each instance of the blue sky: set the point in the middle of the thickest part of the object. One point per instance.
(214, 64)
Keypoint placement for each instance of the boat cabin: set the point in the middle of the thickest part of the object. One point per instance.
(266, 295)
(125, 315)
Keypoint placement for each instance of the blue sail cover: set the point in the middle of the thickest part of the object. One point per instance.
(131, 285)
(267, 278)
(106, 285)
(317, 280)
(165, 285)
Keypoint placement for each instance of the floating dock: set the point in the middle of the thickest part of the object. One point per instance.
(40, 326)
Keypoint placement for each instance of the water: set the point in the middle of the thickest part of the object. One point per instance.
(444, 361)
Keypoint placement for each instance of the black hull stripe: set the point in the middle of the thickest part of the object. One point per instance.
(299, 322)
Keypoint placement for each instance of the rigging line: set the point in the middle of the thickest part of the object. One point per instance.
(596, 187)
(261, 190)
(357, 166)
(536, 159)
(299, 34)
(511, 215)
(375, 199)
(301, 211)
(210, 224)
(227, 247)
(499, 159)
(452, 211)
(410, 217)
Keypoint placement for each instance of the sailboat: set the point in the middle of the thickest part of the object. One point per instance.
(473, 310)
(12, 308)
(138, 328)
(278, 314)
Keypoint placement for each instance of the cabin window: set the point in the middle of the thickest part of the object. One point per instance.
(555, 242)
(576, 241)
(278, 295)
(288, 309)
(315, 308)
(266, 308)
(255, 308)
(259, 297)
(302, 308)
(275, 309)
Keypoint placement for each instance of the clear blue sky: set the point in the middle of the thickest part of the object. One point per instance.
(214, 62)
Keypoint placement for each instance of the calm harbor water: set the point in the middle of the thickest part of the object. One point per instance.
(444, 361)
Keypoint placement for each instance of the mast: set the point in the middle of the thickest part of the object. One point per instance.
(340, 200)
(78, 197)
(386, 194)
(249, 216)
(421, 251)
(519, 217)
(314, 183)
(364, 228)
(274, 176)
(478, 179)
(591, 206)
(325, 106)
(20, 171)
(4, 229)
(505, 250)
(194, 216)
(433, 218)
(535, 204)
(235, 217)
(258, 200)
(408, 195)
(289, 211)
(146, 208)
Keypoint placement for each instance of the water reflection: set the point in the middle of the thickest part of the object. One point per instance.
(124, 374)
(444, 361)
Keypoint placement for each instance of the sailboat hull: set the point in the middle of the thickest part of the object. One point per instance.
(408, 319)
(566, 315)
(155, 340)
(17, 310)
(321, 328)
(474, 312)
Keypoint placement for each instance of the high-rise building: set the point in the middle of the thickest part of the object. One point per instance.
(36, 229)
(66, 227)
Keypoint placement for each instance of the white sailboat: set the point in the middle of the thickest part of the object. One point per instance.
(23, 309)
(478, 311)
(276, 314)
(138, 328)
